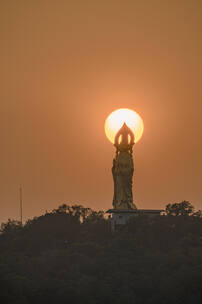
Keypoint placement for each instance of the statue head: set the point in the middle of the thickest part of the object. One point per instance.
(124, 139)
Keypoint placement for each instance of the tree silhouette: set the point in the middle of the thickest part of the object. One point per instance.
(70, 256)
(184, 208)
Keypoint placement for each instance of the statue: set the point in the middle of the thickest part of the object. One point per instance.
(123, 169)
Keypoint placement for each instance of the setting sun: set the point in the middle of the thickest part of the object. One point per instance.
(117, 118)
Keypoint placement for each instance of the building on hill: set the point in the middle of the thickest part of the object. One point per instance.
(121, 217)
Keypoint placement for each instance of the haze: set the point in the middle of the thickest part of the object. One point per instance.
(66, 65)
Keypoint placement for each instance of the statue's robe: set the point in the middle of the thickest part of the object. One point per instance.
(122, 171)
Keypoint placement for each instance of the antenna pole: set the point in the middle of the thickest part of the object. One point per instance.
(21, 204)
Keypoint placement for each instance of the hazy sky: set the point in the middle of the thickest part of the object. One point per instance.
(66, 65)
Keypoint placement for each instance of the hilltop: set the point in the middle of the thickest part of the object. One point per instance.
(70, 255)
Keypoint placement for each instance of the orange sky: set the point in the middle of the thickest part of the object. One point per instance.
(65, 65)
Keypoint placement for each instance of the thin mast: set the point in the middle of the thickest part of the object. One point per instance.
(21, 205)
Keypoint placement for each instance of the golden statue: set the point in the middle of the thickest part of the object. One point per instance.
(123, 169)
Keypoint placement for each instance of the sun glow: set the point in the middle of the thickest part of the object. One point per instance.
(117, 118)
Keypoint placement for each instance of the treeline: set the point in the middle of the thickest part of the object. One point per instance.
(70, 255)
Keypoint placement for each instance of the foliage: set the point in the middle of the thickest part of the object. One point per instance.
(11, 227)
(70, 256)
(184, 208)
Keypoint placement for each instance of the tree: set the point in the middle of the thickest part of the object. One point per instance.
(94, 216)
(78, 211)
(12, 226)
(184, 208)
(198, 213)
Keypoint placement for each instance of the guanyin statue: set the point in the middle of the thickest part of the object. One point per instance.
(123, 169)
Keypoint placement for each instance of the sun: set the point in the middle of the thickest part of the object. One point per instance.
(117, 118)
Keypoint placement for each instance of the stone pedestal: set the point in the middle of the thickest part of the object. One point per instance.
(119, 218)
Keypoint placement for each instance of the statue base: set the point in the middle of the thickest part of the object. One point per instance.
(119, 217)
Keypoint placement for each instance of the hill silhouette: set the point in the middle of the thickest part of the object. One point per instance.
(70, 255)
